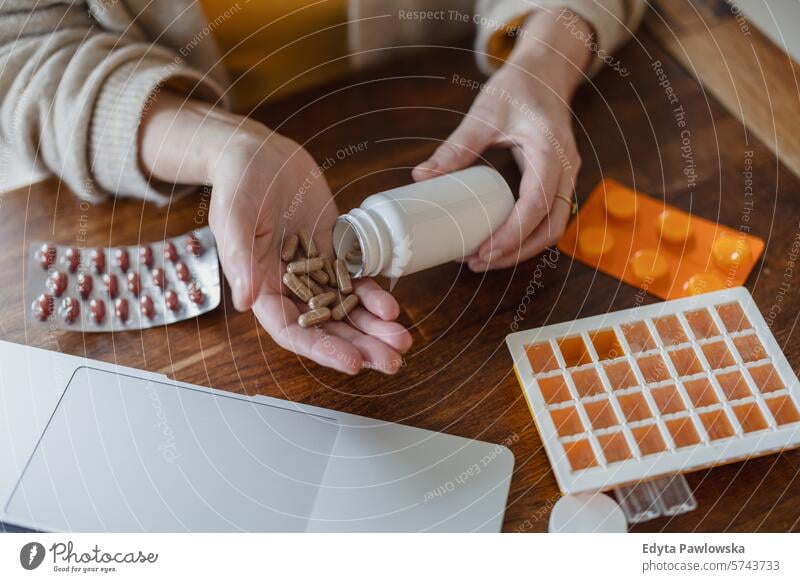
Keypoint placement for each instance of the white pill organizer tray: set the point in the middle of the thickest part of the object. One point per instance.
(657, 390)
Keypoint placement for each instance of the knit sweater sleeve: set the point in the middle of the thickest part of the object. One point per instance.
(72, 96)
(612, 22)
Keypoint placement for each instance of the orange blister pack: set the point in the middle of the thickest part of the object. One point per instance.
(657, 247)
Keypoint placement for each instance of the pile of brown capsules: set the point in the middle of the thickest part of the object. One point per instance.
(322, 284)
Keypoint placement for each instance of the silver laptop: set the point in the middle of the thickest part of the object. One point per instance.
(87, 446)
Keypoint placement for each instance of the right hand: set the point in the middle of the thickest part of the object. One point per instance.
(266, 187)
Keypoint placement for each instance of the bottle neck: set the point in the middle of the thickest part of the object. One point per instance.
(364, 227)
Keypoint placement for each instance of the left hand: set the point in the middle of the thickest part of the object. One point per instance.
(524, 107)
(264, 186)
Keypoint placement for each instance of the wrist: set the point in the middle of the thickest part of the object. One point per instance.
(556, 46)
(181, 140)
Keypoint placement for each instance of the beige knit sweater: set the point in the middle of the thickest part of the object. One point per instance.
(76, 76)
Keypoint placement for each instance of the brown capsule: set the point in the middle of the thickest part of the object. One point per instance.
(122, 259)
(193, 245)
(122, 309)
(112, 285)
(146, 256)
(70, 309)
(195, 293)
(85, 285)
(46, 255)
(42, 306)
(159, 279)
(297, 287)
(289, 249)
(182, 271)
(314, 317)
(356, 245)
(172, 301)
(327, 266)
(72, 259)
(305, 265)
(98, 260)
(343, 277)
(320, 277)
(146, 306)
(57, 283)
(309, 282)
(170, 252)
(98, 309)
(309, 248)
(134, 283)
(353, 256)
(322, 300)
(344, 307)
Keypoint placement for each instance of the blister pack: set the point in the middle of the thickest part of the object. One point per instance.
(125, 287)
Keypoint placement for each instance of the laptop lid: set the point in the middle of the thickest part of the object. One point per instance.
(123, 453)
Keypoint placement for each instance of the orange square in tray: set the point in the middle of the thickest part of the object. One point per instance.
(657, 247)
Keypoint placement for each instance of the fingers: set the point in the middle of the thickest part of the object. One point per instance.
(389, 332)
(234, 226)
(363, 340)
(278, 315)
(376, 300)
(465, 144)
(545, 235)
(540, 179)
(374, 353)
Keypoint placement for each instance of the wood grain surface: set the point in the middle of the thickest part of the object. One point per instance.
(458, 377)
(756, 81)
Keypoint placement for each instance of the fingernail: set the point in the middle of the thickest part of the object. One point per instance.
(491, 254)
(477, 265)
(428, 166)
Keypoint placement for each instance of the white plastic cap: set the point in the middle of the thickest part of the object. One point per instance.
(587, 513)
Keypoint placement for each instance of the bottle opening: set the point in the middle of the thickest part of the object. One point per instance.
(350, 245)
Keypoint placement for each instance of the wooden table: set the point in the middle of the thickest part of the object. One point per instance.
(458, 377)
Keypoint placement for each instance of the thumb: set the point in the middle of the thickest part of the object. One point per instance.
(235, 230)
(464, 145)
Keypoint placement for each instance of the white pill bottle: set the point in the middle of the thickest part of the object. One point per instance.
(421, 225)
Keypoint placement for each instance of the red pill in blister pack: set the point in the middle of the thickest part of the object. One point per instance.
(146, 256)
(57, 283)
(195, 293)
(98, 310)
(85, 285)
(182, 272)
(72, 259)
(193, 245)
(42, 307)
(97, 260)
(46, 256)
(111, 283)
(122, 309)
(124, 287)
(134, 283)
(122, 259)
(70, 310)
(159, 278)
(170, 252)
(172, 301)
(147, 307)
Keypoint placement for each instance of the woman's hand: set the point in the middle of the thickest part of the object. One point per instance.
(266, 187)
(525, 107)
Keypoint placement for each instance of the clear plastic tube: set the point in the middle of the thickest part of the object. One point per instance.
(666, 496)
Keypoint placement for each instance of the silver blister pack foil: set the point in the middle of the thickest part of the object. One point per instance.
(54, 276)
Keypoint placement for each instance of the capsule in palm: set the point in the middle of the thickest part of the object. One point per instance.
(314, 317)
(344, 307)
(297, 287)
